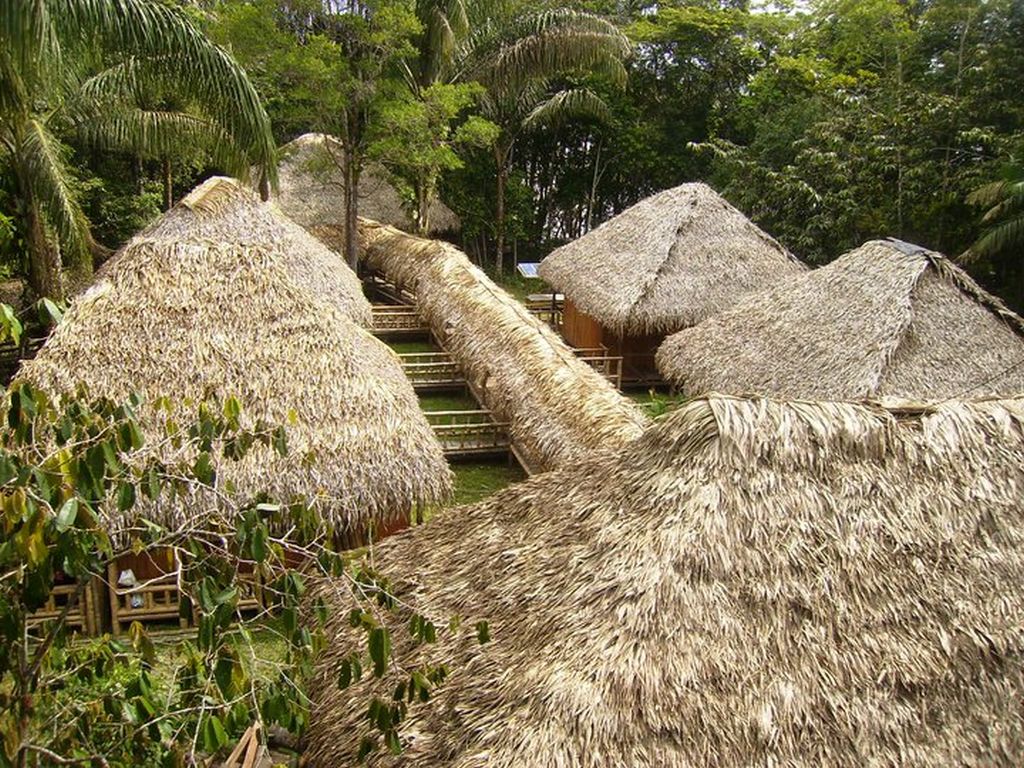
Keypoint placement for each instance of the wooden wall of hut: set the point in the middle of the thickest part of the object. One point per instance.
(579, 329)
(637, 353)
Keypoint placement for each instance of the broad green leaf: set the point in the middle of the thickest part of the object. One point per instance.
(67, 514)
(214, 735)
(380, 649)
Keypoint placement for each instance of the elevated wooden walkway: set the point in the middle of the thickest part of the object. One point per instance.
(463, 434)
(379, 289)
(398, 320)
(432, 371)
(598, 358)
(474, 433)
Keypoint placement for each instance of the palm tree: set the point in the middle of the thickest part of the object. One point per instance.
(56, 81)
(519, 64)
(446, 24)
(1004, 219)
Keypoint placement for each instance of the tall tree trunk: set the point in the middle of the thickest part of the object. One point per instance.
(500, 158)
(168, 184)
(423, 195)
(351, 172)
(44, 273)
(140, 175)
(592, 198)
(899, 140)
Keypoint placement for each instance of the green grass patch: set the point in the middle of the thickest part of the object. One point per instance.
(655, 403)
(520, 286)
(475, 482)
(261, 648)
(407, 347)
(448, 401)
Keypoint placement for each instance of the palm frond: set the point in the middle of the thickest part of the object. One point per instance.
(544, 44)
(152, 30)
(566, 105)
(28, 36)
(159, 134)
(446, 24)
(1008, 206)
(993, 192)
(1001, 238)
(43, 159)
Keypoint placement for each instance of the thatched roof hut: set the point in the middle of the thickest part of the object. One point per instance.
(888, 318)
(558, 407)
(667, 263)
(751, 583)
(311, 191)
(180, 314)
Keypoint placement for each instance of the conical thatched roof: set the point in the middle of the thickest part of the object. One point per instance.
(180, 315)
(558, 407)
(888, 318)
(667, 263)
(751, 583)
(311, 191)
(223, 210)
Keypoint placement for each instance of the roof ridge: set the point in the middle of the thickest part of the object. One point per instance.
(652, 280)
(889, 354)
(212, 195)
(967, 284)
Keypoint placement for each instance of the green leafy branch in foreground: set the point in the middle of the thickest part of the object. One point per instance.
(386, 712)
(71, 472)
(67, 470)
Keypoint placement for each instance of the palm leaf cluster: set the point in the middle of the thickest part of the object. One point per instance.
(520, 63)
(131, 75)
(1004, 215)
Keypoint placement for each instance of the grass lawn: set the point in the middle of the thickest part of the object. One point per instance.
(405, 347)
(448, 401)
(520, 286)
(474, 482)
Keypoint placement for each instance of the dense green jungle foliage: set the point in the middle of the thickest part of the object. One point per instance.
(828, 122)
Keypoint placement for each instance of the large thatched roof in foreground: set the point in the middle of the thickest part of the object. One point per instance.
(223, 210)
(558, 407)
(180, 315)
(667, 263)
(751, 583)
(888, 318)
(311, 191)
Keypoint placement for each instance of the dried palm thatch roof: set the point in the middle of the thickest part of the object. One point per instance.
(223, 210)
(667, 263)
(311, 189)
(183, 316)
(558, 407)
(751, 583)
(888, 318)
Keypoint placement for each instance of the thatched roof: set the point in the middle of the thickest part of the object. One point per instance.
(223, 210)
(558, 407)
(888, 318)
(667, 263)
(751, 583)
(311, 191)
(180, 314)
